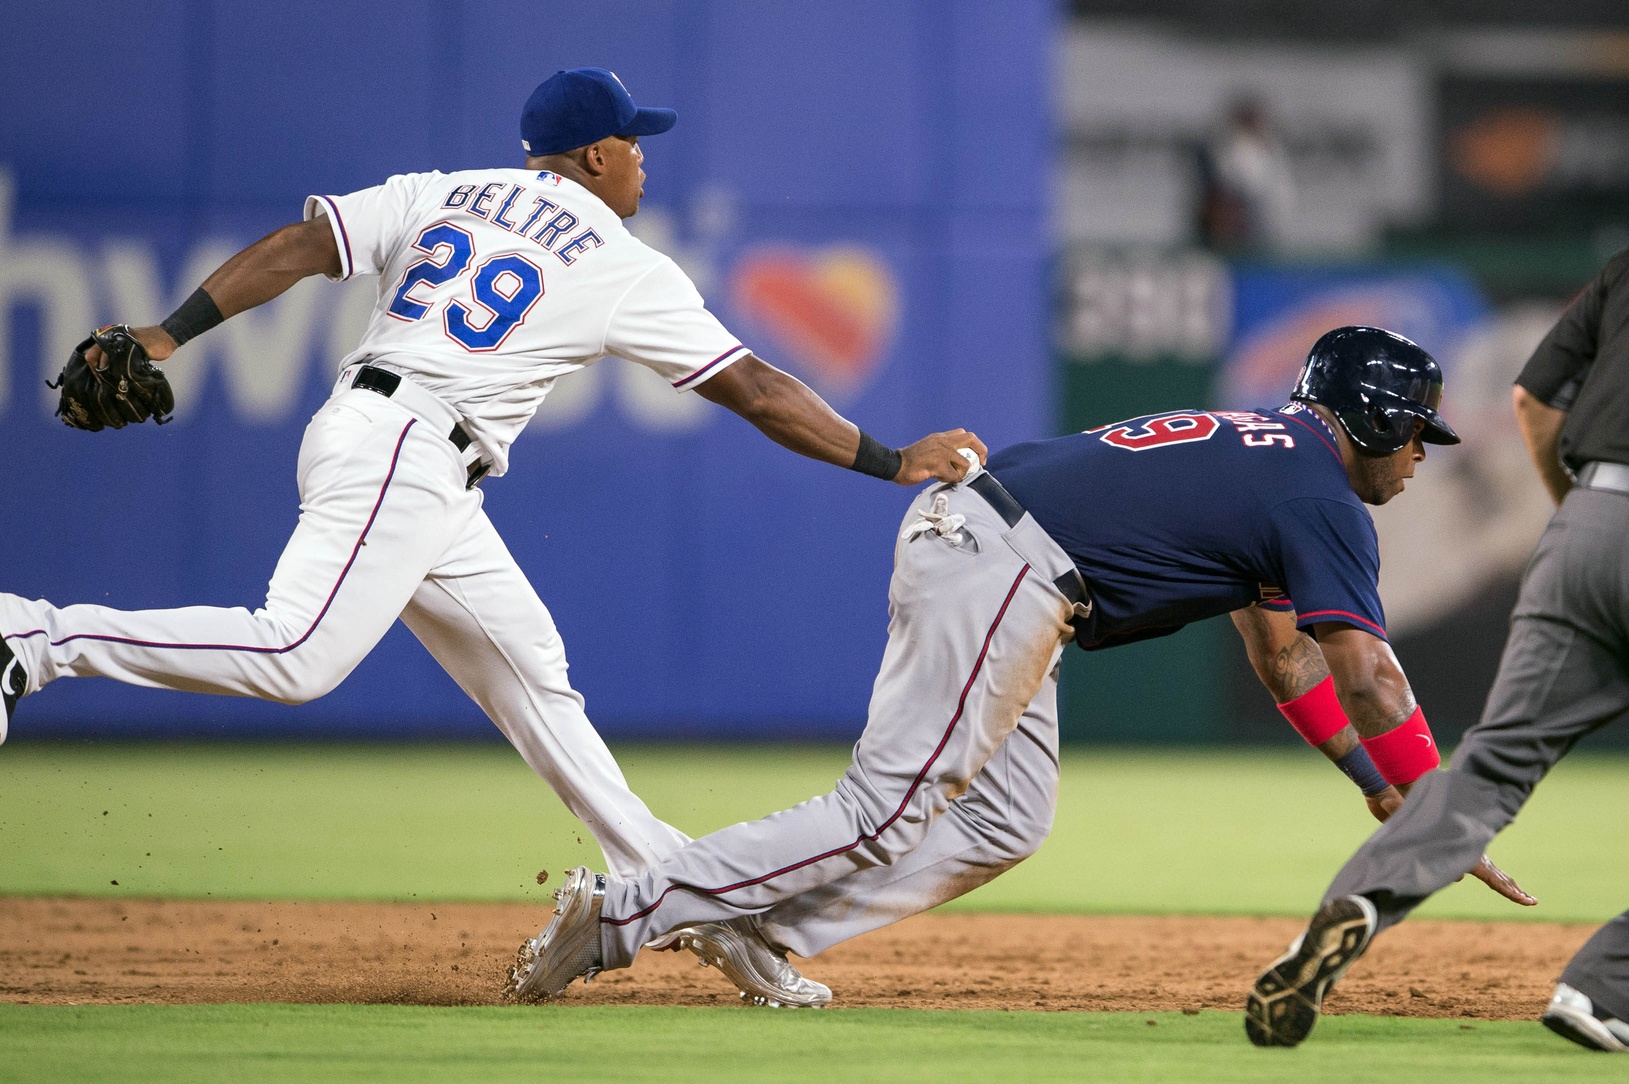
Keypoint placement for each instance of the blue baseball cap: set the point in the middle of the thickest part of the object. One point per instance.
(579, 106)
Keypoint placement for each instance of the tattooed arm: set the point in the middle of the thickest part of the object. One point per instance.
(1286, 659)
(1290, 663)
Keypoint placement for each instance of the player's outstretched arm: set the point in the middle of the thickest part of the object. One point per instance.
(1293, 670)
(789, 413)
(253, 277)
(1377, 699)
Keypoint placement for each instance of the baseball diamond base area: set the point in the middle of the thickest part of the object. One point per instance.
(65, 950)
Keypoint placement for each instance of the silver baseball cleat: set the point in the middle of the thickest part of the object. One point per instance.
(569, 946)
(1285, 1001)
(1572, 1015)
(762, 974)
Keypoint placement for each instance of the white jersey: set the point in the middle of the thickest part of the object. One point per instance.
(496, 282)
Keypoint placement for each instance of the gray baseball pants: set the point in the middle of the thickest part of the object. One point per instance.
(953, 781)
(1564, 673)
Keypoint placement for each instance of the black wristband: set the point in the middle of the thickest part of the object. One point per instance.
(196, 315)
(876, 459)
(1360, 769)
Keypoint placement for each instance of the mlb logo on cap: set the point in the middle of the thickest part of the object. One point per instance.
(579, 106)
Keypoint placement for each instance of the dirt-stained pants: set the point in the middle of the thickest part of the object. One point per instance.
(953, 781)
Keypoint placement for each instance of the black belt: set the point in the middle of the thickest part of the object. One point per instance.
(1603, 474)
(385, 382)
(1007, 507)
(996, 496)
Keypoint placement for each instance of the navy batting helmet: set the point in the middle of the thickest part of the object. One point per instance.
(1376, 383)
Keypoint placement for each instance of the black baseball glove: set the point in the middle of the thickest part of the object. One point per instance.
(129, 388)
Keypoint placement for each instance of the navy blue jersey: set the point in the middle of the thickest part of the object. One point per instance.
(1184, 515)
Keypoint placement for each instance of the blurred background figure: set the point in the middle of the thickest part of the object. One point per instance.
(1246, 195)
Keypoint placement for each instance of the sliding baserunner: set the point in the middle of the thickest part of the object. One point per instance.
(1121, 533)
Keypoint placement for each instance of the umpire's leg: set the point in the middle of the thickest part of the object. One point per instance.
(1562, 676)
(1601, 969)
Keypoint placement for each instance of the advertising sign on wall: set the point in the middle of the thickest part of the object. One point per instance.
(706, 581)
(1534, 153)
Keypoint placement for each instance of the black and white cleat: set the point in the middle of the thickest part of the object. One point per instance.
(1286, 1000)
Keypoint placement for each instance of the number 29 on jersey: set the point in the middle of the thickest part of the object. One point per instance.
(502, 289)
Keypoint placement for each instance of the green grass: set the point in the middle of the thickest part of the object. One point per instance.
(1200, 832)
(402, 1044)
(1153, 833)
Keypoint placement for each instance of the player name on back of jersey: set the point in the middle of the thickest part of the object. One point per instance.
(1256, 430)
(525, 213)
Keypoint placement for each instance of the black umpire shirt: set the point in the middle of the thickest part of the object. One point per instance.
(1582, 367)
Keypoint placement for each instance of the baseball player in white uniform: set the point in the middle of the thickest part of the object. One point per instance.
(493, 284)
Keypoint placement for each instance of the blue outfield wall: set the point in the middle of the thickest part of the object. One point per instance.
(859, 188)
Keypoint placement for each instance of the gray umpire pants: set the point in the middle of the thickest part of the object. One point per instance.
(953, 781)
(1564, 673)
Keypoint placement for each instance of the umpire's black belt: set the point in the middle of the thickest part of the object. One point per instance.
(385, 382)
(1007, 507)
(1603, 474)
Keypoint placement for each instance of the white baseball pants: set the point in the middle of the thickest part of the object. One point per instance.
(387, 529)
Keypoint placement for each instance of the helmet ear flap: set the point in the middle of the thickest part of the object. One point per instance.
(1383, 422)
(1388, 429)
(1375, 430)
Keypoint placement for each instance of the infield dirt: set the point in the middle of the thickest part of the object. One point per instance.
(56, 950)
